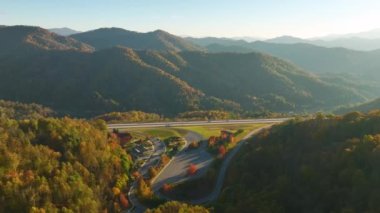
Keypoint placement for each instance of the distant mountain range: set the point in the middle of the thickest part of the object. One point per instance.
(370, 34)
(69, 76)
(310, 57)
(354, 43)
(64, 31)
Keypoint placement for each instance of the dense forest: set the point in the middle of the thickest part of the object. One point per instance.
(72, 78)
(66, 165)
(20, 111)
(177, 207)
(325, 164)
(60, 165)
(129, 117)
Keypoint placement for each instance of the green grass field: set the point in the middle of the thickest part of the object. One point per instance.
(160, 132)
(214, 130)
(206, 131)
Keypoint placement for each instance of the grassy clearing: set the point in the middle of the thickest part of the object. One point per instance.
(160, 132)
(214, 130)
(206, 131)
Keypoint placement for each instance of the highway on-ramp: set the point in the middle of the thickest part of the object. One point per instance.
(175, 171)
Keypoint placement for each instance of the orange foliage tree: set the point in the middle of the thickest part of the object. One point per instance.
(123, 200)
(136, 174)
(166, 187)
(164, 160)
(192, 169)
(222, 151)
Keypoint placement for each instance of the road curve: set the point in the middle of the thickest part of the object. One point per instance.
(222, 173)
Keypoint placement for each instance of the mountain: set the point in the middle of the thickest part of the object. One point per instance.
(25, 39)
(64, 31)
(371, 34)
(87, 83)
(313, 58)
(355, 43)
(156, 40)
(214, 40)
(286, 40)
(360, 41)
(327, 164)
(244, 78)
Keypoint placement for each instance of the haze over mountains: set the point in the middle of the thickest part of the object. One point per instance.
(157, 72)
(64, 31)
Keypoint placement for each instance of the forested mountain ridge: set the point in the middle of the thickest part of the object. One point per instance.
(26, 39)
(244, 78)
(87, 83)
(311, 57)
(327, 164)
(156, 40)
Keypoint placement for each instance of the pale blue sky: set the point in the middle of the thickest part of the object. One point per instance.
(264, 18)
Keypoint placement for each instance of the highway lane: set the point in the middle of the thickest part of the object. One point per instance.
(195, 123)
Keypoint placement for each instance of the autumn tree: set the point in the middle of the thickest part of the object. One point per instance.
(222, 151)
(124, 201)
(174, 206)
(143, 190)
(192, 169)
(166, 188)
(152, 172)
(164, 159)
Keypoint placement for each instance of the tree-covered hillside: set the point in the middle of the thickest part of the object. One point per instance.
(21, 111)
(310, 57)
(326, 164)
(60, 165)
(22, 40)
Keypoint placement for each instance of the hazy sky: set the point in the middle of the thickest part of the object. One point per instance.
(264, 18)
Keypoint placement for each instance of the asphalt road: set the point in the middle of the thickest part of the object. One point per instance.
(222, 172)
(195, 123)
(176, 170)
